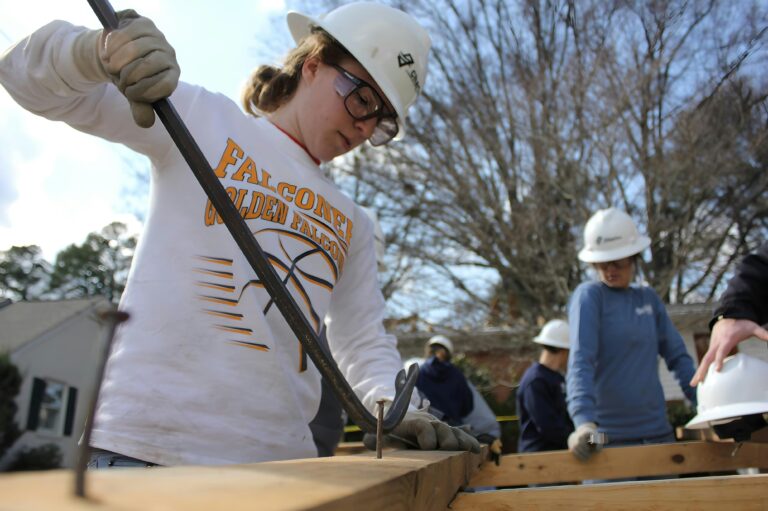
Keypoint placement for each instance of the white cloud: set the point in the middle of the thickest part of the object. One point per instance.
(57, 184)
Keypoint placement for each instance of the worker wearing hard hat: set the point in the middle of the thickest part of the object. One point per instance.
(543, 415)
(443, 383)
(453, 398)
(618, 329)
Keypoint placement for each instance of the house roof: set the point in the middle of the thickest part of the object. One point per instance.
(21, 322)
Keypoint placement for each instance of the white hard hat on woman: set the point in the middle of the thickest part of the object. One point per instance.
(610, 235)
(388, 43)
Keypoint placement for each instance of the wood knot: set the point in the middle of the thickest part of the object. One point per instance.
(678, 458)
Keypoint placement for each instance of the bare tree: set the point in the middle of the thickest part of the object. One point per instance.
(494, 183)
(535, 114)
(669, 148)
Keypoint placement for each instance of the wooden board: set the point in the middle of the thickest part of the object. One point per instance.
(721, 493)
(401, 480)
(619, 462)
(347, 448)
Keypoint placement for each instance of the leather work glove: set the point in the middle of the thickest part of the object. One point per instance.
(420, 430)
(578, 441)
(136, 57)
(495, 450)
(494, 447)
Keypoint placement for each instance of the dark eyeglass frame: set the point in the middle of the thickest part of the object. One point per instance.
(380, 135)
(619, 264)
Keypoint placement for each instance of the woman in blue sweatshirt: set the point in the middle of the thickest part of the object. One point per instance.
(618, 330)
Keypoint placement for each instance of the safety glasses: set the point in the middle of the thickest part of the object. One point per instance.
(621, 264)
(363, 102)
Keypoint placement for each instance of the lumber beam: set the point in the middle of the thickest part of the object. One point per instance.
(621, 462)
(745, 493)
(401, 480)
(347, 448)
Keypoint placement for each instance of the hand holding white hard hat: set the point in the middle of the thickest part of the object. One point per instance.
(740, 388)
(726, 334)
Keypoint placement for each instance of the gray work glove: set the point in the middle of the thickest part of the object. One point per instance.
(420, 430)
(136, 57)
(578, 441)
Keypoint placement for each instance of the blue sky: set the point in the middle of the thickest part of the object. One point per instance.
(56, 184)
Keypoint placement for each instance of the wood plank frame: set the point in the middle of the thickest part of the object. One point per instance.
(402, 480)
(623, 462)
(743, 493)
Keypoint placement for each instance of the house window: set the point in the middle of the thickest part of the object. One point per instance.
(52, 407)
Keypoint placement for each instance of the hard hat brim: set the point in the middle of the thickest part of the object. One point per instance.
(551, 342)
(604, 256)
(725, 413)
(300, 26)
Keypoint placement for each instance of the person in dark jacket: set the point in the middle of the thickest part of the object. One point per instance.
(443, 384)
(741, 310)
(544, 421)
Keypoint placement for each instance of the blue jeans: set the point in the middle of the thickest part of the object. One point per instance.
(101, 459)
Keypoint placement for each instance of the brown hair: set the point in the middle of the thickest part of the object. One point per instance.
(270, 87)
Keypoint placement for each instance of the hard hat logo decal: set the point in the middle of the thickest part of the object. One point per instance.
(600, 239)
(406, 59)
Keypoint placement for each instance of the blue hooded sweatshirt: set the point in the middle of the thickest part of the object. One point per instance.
(446, 388)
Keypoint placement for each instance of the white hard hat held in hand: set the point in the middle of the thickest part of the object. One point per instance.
(610, 235)
(739, 389)
(554, 333)
(387, 42)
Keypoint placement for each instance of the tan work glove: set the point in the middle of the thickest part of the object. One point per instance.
(578, 441)
(421, 430)
(494, 446)
(136, 57)
(495, 450)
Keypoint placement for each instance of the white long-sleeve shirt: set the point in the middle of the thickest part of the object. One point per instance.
(207, 371)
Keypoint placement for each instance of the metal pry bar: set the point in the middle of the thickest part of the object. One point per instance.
(256, 258)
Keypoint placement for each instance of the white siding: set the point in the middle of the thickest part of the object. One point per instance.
(68, 353)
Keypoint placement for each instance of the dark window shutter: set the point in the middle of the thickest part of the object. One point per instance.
(38, 390)
(71, 407)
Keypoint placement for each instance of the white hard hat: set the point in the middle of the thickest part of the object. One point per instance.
(387, 42)
(378, 237)
(555, 334)
(740, 388)
(443, 341)
(611, 235)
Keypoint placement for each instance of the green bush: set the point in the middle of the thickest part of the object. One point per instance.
(44, 457)
(679, 413)
(10, 383)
